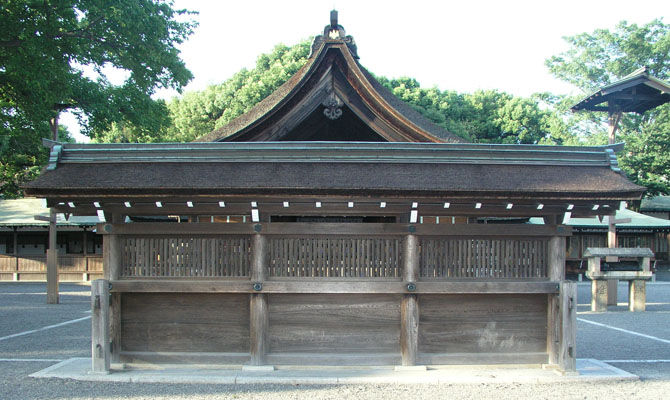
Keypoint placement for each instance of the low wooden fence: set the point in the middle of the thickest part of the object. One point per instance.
(337, 294)
(34, 268)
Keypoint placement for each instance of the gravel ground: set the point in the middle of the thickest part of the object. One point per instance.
(22, 308)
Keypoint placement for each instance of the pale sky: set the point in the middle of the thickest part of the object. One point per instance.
(454, 45)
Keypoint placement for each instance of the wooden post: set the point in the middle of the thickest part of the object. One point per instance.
(16, 255)
(637, 295)
(112, 267)
(84, 252)
(100, 345)
(567, 360)
(52, 261)
(258, 307)
(556, 274)
(409, 307)
(557, 258)
(112, 257)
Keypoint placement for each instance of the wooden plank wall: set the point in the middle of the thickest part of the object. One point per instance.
(482, 324)
(194, 322)
(316, 323)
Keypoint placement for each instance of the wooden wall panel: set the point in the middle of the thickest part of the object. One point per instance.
(332, 323)
(482, 323)
(185, 322)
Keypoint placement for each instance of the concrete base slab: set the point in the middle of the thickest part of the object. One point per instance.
(588, 369)
(258, 368)
(407, 368)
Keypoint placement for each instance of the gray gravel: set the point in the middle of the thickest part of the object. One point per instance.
(21, 312)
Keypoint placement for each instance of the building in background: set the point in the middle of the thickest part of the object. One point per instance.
(24, 240)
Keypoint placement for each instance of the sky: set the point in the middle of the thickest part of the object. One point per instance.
(452, 45)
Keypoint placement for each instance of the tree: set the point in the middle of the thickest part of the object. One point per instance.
(485, 116)
(602, 57)
(57, 55)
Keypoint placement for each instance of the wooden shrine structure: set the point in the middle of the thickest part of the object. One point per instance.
(293, 235)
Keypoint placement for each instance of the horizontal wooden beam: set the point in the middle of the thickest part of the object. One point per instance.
(333, 205)
(340, 286)
(316, 228)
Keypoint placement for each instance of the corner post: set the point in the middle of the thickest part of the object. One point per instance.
(409, 307)
(567, 354)
(52, 260)
(112, 253)
(100, 345)
(556, 274)
(259, 319)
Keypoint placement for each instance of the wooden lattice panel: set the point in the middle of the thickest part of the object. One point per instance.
(335, 257)
(483, 258)
(185, 257)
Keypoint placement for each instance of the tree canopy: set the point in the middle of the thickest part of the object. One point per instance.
(59, 55)
(602, 57)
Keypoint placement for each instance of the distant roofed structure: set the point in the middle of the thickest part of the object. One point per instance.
(637, 92)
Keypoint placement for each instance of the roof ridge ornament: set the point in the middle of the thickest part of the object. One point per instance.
(334, 32)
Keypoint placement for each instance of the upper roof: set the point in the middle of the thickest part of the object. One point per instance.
(437, 169)
(330, 96)
(637, 221)
(658, 203)
(637, 92)
(22, 212)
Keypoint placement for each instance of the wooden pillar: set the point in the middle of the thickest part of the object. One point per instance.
(567, 353)
(84, 252)
(409, 307)
(556, 274)
(112, 257)
(557, 258)
(637, 295)
(100, 344)
(52, 261)
(16, 255)
(112, 267)
(259, 319)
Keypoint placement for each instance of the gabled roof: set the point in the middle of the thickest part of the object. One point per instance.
(22, 212)
(658, 203)
(637, 92)
(637, 222)
(332, 90)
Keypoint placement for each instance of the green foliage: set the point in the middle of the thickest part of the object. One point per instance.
(54, 55)
(603, 57)
(198, 113)
(483, 116)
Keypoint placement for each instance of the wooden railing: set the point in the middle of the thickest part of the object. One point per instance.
(70, 267)
(335, 257)
(226, 256)
(343, 251)
(483, 258)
